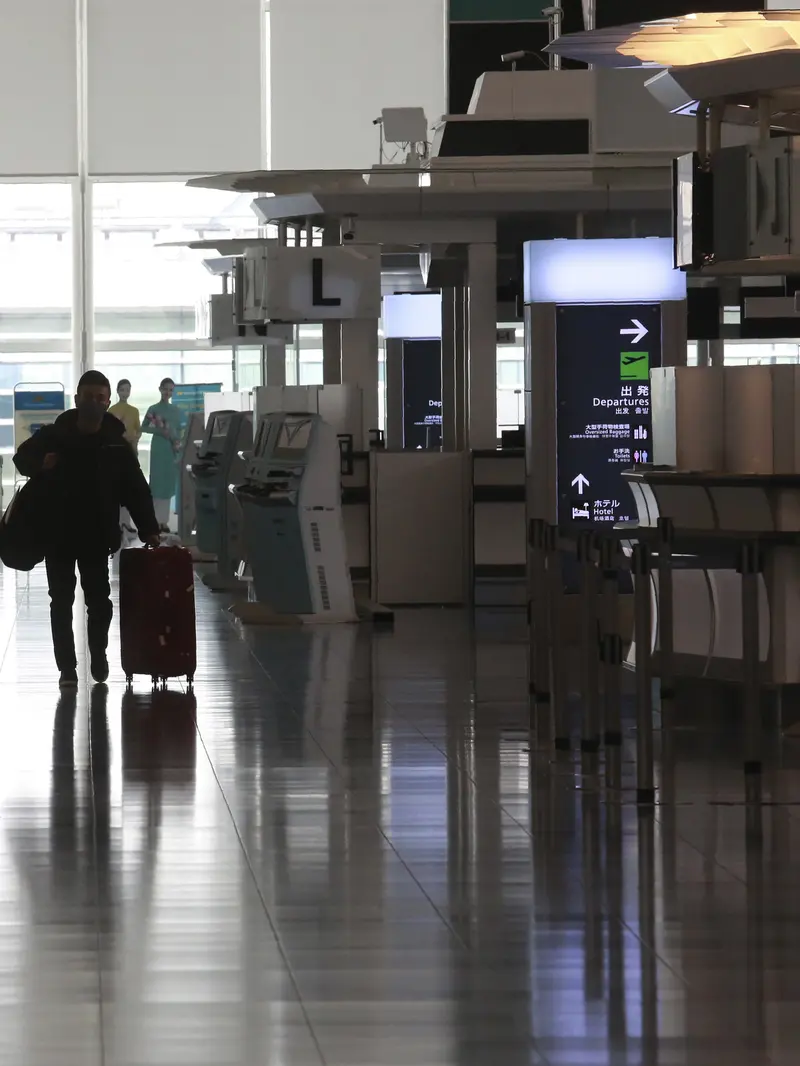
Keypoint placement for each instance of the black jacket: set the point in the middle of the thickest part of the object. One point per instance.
(96, 474)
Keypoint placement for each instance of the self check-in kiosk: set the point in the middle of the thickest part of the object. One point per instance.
(187, 513)
(218, 466)
(293, 527)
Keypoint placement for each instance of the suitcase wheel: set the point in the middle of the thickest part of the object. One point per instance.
(190, 682)
(155, 681)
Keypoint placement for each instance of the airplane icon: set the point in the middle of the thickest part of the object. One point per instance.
(634, 366)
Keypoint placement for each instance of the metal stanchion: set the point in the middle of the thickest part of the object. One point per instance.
(666, 647)
(647, 936)
(558, 685)
(539, 624)
(666, 625)
(750, 566)
(641, 566)
(590, 730)
(612, 662)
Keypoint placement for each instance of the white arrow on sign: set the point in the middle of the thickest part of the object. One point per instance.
(581, 483)
(637, 333)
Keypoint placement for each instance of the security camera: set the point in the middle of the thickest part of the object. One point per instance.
(513, 57)
(349, 229)
(548, 12)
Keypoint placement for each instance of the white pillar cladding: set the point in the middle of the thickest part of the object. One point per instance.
(274, 363)
(482, 345)
(175, 87)
(145, 87)
(334, 64)
(360, 367)
(39, 87)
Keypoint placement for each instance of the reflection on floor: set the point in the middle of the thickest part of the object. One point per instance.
(352, 859)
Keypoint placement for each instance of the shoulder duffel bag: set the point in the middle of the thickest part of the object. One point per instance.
(22, 529)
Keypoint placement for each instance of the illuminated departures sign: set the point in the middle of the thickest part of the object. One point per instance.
(605, 353)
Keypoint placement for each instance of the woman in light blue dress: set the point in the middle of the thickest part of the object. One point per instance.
(165, 423)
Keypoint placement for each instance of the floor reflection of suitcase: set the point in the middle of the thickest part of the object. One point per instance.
(156, 613)
(159, 736)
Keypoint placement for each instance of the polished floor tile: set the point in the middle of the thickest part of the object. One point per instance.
(341, 850)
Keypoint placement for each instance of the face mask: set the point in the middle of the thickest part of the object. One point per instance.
(91, 411)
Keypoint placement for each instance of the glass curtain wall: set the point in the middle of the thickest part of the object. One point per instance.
(511, 380)
(753, 353)
(145, 296)
(148, 286)
(35, 296)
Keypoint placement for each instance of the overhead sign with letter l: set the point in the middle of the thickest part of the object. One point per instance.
(280, 284)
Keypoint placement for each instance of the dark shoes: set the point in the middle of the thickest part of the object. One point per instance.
(99, 665)
(100, 668)
(68, 680)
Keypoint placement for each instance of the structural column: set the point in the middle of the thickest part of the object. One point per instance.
(453, 369)
(360, 367)
(540, 412)
(82, 211)
(273, 363)
(332, 353)
(394, 395)
(674, 340)
(332, 330)
(482, 346)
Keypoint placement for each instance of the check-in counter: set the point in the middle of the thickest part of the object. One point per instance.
(419, 532)
(498, 527)
(713, 515)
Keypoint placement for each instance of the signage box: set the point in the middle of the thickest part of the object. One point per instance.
(422, 395)
(278, 284)
(216, 324)
(413, 316)
(36, 406)
(634, 270)
(190, 399)
(604, 425)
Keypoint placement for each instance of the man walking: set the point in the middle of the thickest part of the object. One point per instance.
(93, 472)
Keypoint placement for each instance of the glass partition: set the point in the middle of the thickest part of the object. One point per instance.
(36, 267)
(147, 286)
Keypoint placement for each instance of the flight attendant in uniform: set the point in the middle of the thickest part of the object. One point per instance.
(165, 423)
(127, 414)
(131, 420)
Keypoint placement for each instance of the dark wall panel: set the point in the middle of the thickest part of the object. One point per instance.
(422, 394)
(496, 10)
(476, 46)
(620, 12)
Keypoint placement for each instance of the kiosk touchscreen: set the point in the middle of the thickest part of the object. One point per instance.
(293, 527)
(218, 465)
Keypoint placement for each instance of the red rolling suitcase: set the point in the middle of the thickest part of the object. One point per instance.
(156, 613)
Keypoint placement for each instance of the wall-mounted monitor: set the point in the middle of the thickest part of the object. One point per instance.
(692, 212)
(413, 316)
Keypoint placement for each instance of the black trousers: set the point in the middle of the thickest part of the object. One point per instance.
(92, 565)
